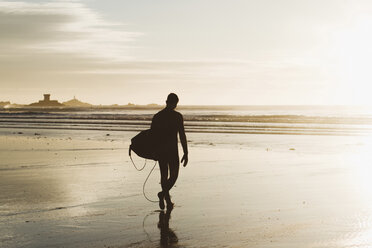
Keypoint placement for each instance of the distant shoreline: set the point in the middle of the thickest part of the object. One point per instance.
(180, 107)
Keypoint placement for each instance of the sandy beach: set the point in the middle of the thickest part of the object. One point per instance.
(63, 188)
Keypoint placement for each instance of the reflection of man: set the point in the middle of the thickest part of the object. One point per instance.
(166, 124)
(167, 236)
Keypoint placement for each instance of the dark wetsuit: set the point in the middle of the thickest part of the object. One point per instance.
(166, 125)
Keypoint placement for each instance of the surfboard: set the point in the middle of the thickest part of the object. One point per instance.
(143, 144)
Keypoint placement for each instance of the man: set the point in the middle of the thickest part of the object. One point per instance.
(166, 124)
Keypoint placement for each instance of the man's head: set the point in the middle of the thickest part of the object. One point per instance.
(172, 101)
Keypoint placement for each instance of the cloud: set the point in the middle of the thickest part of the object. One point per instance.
(61, 27)
(67, 48)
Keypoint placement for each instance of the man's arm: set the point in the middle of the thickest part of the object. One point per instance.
(183, 139)
(153, 122)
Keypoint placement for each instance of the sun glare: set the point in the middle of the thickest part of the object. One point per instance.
(353, 54)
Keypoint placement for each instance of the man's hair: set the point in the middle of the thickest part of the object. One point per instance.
(172, 98)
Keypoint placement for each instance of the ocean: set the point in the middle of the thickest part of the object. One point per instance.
(300, 120)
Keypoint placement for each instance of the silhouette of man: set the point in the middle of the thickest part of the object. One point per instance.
(166, 124)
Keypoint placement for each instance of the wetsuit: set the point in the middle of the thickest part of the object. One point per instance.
(166, 124)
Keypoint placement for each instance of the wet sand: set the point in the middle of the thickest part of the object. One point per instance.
(79, 189)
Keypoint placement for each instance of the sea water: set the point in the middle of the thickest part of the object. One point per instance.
(311, 120)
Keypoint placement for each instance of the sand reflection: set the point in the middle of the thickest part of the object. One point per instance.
(168, 237)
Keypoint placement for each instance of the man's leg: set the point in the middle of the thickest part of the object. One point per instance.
(163, 164)
(174, 166)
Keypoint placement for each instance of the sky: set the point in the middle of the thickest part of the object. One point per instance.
(214, 52)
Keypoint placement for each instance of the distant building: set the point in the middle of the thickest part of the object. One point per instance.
(76, 103)
(46, 102)
(4, 104)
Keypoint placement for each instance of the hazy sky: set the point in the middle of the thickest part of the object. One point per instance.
(207, 51)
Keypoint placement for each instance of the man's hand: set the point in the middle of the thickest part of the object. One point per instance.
(185, 159)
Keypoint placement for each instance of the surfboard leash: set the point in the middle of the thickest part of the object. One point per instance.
(143, 187)
(140, 169)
